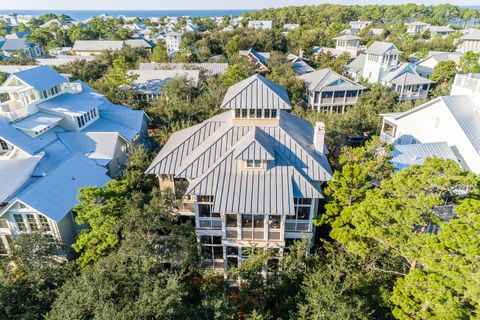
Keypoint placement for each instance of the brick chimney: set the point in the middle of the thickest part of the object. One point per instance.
(319, 137)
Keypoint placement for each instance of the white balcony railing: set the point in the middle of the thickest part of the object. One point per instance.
(13, 110)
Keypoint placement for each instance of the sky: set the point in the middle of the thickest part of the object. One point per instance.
(189, 4)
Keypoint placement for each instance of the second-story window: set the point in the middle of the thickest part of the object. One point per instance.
(20, 222)
(254, 164)
(32, 223)
(44, 223)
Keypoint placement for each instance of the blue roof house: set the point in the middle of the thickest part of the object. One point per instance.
(56, 137)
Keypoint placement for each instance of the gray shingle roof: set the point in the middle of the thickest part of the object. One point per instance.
(379, 48)
(256, 92)
(207, 155)
(356, 66)
(328, 80)
(474, 35)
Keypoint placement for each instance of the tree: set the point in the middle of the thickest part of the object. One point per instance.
(341, 286)
(159, 53)
(394, 216)
(444, 71)
(101, 209)
(236, 73)
(445, 282)
(361, 169)
(30, 277)
(469, 62)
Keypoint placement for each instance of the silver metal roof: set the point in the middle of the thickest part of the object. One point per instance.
(408, 79)
(210, 68)
(207, 154)
(97, 45)
(415, 154)
(328, 80)
(256, 92)
(379, 48)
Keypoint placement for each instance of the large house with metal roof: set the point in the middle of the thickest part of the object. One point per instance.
(56, 137)
(380, 64)
(345, 43)
(453, 120)
(250, 176)
(328, 91)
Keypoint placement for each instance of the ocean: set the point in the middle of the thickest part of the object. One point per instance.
(81, 15)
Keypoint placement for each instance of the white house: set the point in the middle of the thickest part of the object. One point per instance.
(260, 24)
(380, 64)
(426, 66)
(469, 42)
(56, 136)
(249, 177)
(440, 30)
(454, 120)
(95, 47)
(328, 91)
(358, 25)
(345, 43)
(416, 27)
(149, 83)
(173, 40)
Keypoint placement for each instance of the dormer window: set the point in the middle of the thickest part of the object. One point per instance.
(255, 164)
(86, 118)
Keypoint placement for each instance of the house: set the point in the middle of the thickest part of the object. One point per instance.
(357, 26)
(290, 26)
(380, 64)
(260, 24)
(191, 27)
(416, 27)
(140, 43)
(300, 64)
(56, 137)
(454, 120)
(328, 91)
(469, 42)
(375, 32)
(426, 66)
(18, 35)
(149, 83)
(210, 69)
(345, 43)
(96, 47)
(62, 60)
(406, 155)
(440, 30)
(173, 40)
(259, 59)
(10, 47)
(249, 177)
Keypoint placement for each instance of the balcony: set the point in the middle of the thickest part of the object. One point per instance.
(12, 110)
(413, 95)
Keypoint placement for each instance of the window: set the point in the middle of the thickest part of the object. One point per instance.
(244, 113)
(258, 221)
(32, 223)
(389, 129)
(274, 222)
(301, 220)
(252, 113)
(266, 113)
(3, 145)
(94, 112)
(254, 164)
(211, 249)
(20, 222)
(88, 116)
(273, 113)
(247, 221)
(259, 113)
(231, 220)
(237, 113)
(44, 223)
(79, 122)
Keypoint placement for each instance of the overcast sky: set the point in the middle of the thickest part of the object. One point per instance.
(188, 4)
